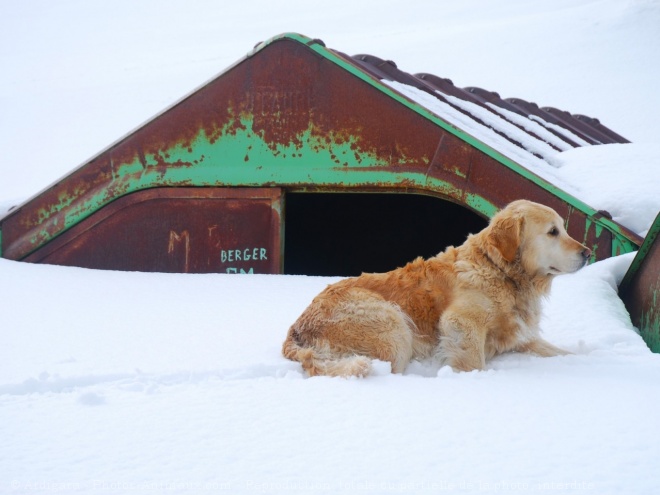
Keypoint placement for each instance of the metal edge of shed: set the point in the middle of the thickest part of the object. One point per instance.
(126, 177)
(640, 288)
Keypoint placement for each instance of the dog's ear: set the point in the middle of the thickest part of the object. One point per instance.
(504, 236)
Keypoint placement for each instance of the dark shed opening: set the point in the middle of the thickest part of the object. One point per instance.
(347, 234)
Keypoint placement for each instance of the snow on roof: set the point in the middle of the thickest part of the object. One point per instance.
(491, 128)
(557, 128)
(551, 143)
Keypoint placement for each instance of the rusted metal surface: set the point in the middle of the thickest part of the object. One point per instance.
(528, 108)
(501, 186)
(583, 126)
(294, 116)
(588, 128)
(182, 230)
(595, 124)
(640, 288)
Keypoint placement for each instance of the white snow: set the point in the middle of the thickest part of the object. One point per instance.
(606, 177)
(150, 383)
(537, 126)
(485, 132)
(561, 130)
(116, 382)
(530, 143)
(623, 179)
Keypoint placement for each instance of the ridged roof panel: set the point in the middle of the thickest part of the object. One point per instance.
(538, 131)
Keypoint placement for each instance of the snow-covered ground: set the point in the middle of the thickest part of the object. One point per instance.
(150, 383)
(117, 382)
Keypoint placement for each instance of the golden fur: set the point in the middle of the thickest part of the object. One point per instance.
(461, 307)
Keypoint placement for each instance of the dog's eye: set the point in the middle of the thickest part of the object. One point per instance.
(554, 232)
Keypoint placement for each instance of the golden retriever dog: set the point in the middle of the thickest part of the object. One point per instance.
(461, 307)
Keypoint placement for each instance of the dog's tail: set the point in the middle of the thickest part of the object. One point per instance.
(323, 361)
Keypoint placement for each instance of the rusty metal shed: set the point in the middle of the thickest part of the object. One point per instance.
(640, 288)
(254, 172)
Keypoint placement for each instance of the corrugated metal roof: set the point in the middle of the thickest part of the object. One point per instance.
(509, 118)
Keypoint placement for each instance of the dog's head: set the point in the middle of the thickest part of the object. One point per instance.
(534, 236)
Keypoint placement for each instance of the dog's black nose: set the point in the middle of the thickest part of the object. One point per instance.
(586, 253)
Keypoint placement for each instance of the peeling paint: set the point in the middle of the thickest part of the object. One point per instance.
(649, 323)
(640, 288)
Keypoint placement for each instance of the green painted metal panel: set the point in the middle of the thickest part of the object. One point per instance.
(640, 288)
